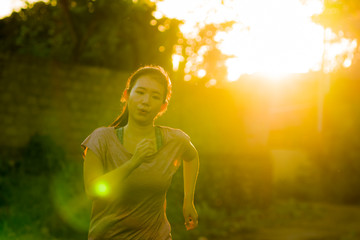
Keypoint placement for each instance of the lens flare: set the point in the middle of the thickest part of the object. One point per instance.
(102, 189)
(70, 200)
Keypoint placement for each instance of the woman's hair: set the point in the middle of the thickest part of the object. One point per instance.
(155, 72)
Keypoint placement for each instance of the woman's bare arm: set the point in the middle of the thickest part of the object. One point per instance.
(100, 185)
(191, 169)
(106, 185)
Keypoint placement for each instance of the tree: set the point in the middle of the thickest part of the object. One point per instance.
(115, 34)
(341, 16)
(201, 53)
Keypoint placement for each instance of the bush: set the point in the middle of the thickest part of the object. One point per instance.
(42, 196)
(42, 156)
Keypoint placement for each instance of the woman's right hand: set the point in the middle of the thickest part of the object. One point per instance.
(144, 148)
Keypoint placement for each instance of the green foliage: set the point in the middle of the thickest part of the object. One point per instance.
(69, 199)
(37, 190)
(42, 156)
(29, 32)
(115, 34)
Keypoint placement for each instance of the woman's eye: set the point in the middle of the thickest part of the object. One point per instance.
(156, 97)
(140, 92)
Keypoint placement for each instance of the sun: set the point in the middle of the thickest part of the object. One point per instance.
(274, 37)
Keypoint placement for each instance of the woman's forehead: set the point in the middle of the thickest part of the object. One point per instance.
(149, 83)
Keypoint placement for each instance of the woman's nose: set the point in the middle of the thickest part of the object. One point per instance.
(146, 98)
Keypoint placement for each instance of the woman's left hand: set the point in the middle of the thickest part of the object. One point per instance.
(190, 215)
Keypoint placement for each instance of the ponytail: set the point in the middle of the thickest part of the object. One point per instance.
(122, 119)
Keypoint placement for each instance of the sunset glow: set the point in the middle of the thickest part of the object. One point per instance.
(274, 37)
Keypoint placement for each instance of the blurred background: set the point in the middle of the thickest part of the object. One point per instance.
(267, 90)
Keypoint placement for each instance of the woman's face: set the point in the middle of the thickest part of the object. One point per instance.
(145, 100)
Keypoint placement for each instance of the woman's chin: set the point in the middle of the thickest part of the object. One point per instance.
(143, 120)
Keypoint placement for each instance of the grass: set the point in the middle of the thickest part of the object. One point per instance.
(36, 211)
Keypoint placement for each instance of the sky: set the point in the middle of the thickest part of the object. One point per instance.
(7, 6)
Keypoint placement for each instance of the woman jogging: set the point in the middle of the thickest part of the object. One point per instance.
(129, 165)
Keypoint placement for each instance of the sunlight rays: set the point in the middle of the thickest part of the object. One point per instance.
(270, 37)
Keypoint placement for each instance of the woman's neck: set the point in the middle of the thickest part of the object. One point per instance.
(138, 130)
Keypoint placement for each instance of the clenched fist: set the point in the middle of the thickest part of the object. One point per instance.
(144, 148)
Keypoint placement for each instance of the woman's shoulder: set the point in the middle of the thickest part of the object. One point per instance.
(102, 131)
(97, 138)
(174, 133)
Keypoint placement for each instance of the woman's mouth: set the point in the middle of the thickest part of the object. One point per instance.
(143, 111)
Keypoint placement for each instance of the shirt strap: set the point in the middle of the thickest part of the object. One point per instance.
(120, 134)
(159, 137)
